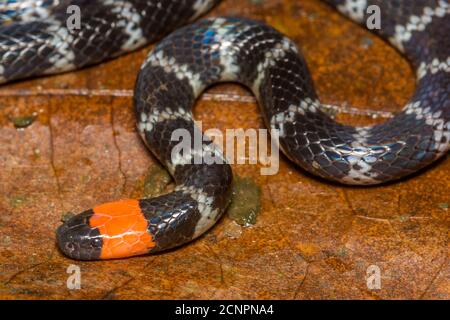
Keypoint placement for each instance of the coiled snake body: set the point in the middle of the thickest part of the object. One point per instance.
(35, 41)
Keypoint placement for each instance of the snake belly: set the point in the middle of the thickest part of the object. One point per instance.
(254, 54)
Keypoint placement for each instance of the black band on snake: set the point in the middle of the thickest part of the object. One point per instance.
(227, 49)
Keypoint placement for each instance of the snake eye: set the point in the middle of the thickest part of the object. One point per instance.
(70, 246)
(96, 243)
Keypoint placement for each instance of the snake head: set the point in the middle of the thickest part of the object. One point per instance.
(78, 240)
(109, 231)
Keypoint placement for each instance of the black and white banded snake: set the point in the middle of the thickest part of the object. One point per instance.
(34, 40)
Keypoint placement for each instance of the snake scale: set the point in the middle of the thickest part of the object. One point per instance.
(34, 40)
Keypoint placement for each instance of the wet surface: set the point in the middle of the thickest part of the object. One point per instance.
(245, 203)
(311, 240)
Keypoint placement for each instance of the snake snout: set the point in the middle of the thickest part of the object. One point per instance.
(78, 240)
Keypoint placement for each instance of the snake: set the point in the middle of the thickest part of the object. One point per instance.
(193, 54)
